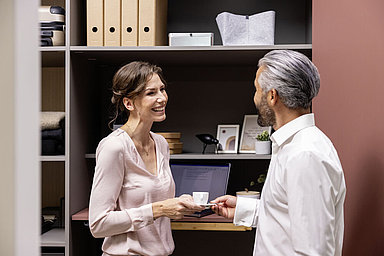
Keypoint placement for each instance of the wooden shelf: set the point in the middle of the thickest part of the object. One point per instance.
(191, 156)
(81, 215)
(53, 238)
(211, 222)
(208, 226)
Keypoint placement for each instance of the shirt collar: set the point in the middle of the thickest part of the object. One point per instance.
(289, 129)
(159, 152)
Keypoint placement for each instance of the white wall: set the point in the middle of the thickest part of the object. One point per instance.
(19, 129)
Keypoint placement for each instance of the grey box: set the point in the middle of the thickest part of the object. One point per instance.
(190, 39)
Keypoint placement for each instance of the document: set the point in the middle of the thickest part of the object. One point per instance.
(95, 26)
(112, 22)
(153, 22)
(129, 22)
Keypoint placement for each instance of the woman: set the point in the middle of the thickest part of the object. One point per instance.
(132, 196)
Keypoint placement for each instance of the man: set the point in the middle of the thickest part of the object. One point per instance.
(301, 207)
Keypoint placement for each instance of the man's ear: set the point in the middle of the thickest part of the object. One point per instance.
(272, 97)
(128, 103)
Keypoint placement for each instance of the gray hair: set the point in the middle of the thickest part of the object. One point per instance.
(294, 77)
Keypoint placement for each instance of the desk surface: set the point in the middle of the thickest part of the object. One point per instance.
(83, 215)
(210, 222)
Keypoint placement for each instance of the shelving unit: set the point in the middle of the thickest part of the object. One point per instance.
(55, 168)
(207, 86)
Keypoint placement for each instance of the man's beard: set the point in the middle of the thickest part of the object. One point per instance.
(266, 114)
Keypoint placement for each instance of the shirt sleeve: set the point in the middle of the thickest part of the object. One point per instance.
(246, 211)
(107, 182)
(311, 204)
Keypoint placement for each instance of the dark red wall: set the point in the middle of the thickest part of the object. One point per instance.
(348, 49)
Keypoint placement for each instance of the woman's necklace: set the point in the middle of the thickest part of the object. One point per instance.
(128, 130)
(146, 151)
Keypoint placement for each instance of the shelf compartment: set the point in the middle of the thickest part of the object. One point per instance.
(293, 22)
(53, 89)
(52, 56)
(53, 183)
(191, 56)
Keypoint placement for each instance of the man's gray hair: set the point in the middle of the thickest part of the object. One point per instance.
(294, 77)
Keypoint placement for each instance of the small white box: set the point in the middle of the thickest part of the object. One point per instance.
(190, 39)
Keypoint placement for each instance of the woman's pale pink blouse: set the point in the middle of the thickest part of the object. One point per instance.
(123, 191)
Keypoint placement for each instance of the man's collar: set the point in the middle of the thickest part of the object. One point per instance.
(292, 127)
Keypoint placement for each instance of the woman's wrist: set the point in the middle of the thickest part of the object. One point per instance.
(157, 209)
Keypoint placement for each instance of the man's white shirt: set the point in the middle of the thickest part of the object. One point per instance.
(301, 207)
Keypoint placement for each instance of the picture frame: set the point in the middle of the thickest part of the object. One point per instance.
(228, 137)
(249, 132)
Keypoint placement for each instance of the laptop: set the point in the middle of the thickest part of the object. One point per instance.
(201, 178)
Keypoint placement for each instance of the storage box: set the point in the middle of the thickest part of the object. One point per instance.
(190, 39)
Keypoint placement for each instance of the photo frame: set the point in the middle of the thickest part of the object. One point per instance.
(228, 137)
(249, 132)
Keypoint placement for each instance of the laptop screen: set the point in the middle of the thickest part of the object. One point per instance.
(201, 178)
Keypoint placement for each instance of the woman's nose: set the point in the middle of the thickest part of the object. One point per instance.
(161, 98)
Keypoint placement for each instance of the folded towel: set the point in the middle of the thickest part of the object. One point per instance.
(51, 120)
(56, 134)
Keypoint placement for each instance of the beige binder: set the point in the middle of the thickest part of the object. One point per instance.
(112, 23)
(95, 26)
(153, 22)
(129, 22)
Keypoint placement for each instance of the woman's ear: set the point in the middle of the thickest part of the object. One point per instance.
(128, 103)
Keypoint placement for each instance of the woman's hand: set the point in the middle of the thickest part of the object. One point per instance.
(175, 208)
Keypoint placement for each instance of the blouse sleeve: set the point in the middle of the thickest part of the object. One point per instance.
(107, 182)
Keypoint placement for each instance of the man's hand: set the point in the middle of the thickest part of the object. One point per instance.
(226, 206)
(175, 208)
